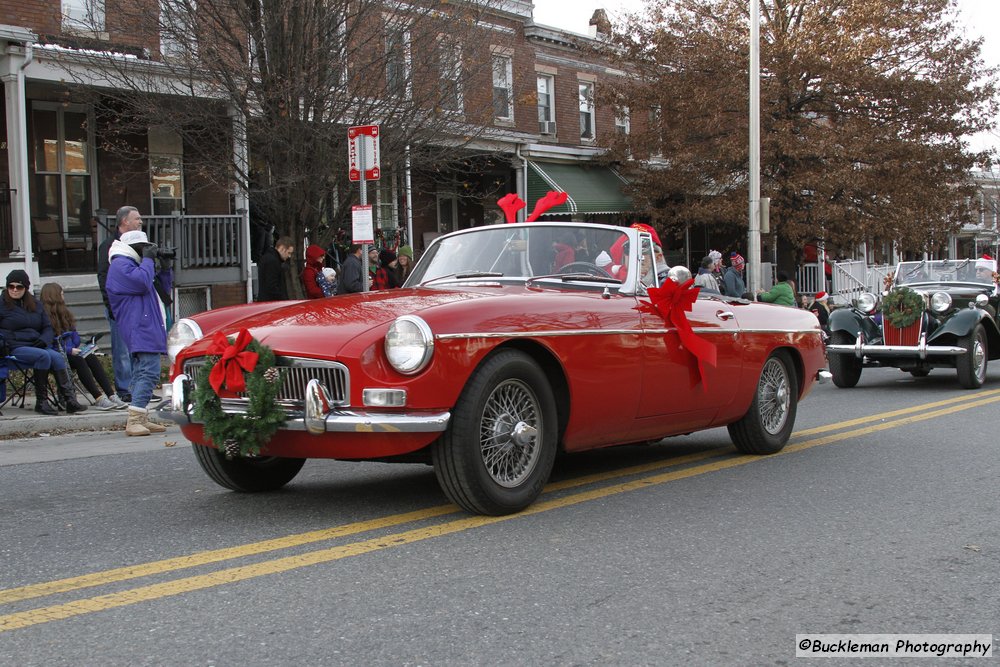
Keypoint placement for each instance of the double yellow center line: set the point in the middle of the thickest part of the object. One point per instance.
(834, 433)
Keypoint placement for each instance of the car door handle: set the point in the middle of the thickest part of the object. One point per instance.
(724, 314)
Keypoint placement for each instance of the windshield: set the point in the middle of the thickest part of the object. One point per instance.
(945, 270)
(525, 250)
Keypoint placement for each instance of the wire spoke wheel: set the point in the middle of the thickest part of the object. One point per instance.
(768, 423)
(773, 396)
(501, 442)
(508, 433)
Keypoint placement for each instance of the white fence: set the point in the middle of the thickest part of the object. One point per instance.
(847, 280)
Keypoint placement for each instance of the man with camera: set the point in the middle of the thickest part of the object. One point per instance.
(128, 219)
(141, 315)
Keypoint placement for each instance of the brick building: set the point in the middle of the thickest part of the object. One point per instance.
(59, 189)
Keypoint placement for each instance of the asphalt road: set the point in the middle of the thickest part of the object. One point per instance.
(879, 517)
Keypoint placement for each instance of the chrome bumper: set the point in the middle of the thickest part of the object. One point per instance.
(921, 350)
(318, 417)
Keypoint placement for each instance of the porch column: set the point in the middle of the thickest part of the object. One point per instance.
(17, 151)
(242, 164)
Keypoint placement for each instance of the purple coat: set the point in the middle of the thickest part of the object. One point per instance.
(134, 302)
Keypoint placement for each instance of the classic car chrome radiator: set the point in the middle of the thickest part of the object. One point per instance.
(296, 373)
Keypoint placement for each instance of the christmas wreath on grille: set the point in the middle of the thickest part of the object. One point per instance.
(902, 307)
(243, 366)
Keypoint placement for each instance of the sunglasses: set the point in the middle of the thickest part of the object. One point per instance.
(14, 286)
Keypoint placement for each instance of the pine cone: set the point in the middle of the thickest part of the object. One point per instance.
(271, 375)
(232, 449)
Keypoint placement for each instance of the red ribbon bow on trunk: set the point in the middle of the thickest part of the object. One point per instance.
(233, 360)
(671, 301)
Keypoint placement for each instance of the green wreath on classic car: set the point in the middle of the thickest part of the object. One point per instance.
(902, 307)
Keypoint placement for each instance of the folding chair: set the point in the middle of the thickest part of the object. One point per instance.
(21, 378)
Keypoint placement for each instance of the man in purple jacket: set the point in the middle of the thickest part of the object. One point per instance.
(140, 316)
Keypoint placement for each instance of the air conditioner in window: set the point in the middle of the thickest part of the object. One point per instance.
(547, 126)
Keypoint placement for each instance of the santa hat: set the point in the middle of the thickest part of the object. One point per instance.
(736, 261)
(820, 296)
(603, 259)
(986, 262)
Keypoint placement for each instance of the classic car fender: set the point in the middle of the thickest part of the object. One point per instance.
(851, 321)
(963, 322)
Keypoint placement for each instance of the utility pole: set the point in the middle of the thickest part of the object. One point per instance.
(753, 236)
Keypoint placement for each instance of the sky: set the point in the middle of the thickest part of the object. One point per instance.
(981, 17)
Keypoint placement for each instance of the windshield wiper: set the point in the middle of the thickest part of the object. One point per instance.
(466, 274)
(568, 277)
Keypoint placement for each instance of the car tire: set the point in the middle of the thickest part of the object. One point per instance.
(971, 366)
(767, 425)
(247, 475)
(846, 368)
(500, 444)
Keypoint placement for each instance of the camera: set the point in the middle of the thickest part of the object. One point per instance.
(167, 253)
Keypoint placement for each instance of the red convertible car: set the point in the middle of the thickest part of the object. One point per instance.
(506, 345)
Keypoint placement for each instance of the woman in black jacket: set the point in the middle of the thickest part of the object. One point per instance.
(28, 334)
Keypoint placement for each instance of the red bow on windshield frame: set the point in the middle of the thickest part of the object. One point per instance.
(233, 361)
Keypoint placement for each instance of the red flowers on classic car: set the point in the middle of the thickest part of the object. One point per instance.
(493, 357)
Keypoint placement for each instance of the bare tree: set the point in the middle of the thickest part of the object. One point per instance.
(865, 108)
(292, 75)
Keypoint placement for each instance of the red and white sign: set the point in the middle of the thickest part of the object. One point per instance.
(362, 229)
(362, 141)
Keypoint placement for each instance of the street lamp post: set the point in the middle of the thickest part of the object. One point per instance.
(753, 237)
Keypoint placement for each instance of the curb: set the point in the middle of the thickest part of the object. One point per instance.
(21, 423)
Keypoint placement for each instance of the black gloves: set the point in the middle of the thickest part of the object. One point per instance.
(149, 251)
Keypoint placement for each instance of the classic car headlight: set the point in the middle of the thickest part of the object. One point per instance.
(982, 300)
(183, 333)
(940, 302)
(866, 302)
(409, 344)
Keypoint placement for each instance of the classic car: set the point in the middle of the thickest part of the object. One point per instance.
(936, 313)
(495, 355)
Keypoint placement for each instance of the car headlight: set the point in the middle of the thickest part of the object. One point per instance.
(866, 302)
(409, 344)
(183, 333)
(940, 302)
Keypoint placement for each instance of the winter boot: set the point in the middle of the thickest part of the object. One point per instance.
(136, 417)
(153, 426)
(42, 404)
(67, 391)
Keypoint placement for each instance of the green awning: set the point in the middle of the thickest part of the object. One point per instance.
(591, 188)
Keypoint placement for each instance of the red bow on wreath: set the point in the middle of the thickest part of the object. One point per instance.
(671, 302)
(233, 360)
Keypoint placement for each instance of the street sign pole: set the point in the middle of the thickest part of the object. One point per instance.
(364, 202)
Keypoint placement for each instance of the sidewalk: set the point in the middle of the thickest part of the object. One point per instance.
(24, 422)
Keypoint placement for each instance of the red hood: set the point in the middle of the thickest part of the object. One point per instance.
(321, 327)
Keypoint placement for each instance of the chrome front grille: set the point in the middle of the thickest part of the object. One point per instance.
(296, 373)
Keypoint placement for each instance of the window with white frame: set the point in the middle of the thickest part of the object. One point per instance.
(623, 123)
(546, 104)
(177, 37)
(655, 118)
(85, 15)
(450, 59)
(503, 93)
(386, 212)
(166, 170)
(587, 131)
(397, 59)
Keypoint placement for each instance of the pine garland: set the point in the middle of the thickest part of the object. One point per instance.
(902, 307)
(242, 434)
